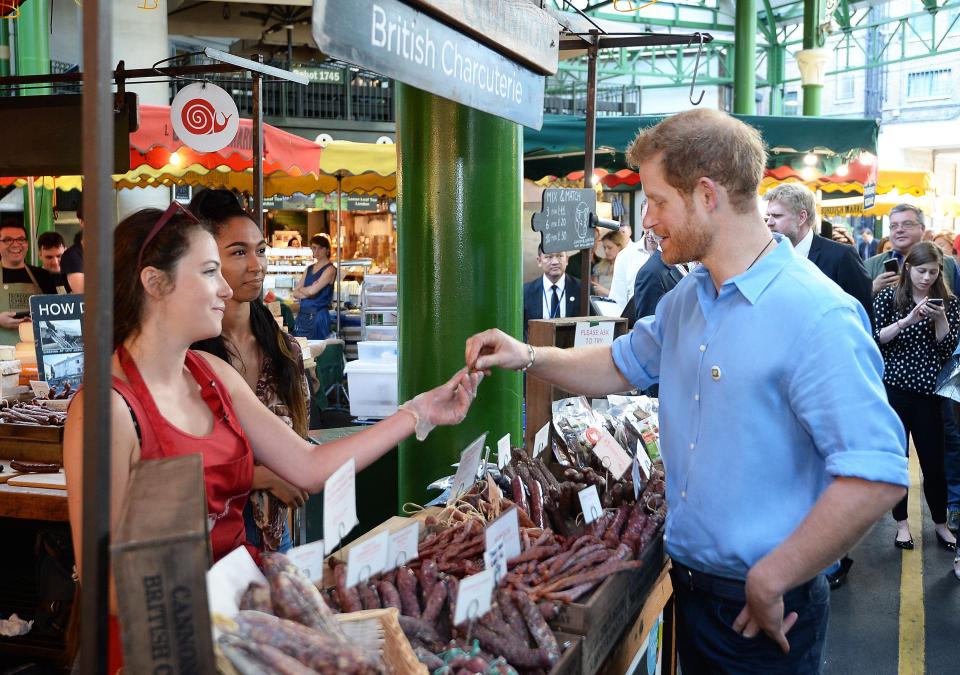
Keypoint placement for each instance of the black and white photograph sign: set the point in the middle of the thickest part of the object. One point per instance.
(58, 338)
(564, 219)
(396, 40)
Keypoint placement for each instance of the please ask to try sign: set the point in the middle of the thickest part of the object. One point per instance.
(397, 41)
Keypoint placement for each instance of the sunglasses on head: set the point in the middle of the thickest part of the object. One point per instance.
(172, 210)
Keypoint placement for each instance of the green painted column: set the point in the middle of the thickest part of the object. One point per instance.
(745, 58)
(459, 213)
(776, 72)
(4, 47)
(811, 40)
(33, 58)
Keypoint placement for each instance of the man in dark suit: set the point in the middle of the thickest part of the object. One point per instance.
(868, 245)
(553, 295)
(654, 280)
(791, 211)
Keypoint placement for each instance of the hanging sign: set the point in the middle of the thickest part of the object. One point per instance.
(564, 219)
(204, 117)
(396, 40)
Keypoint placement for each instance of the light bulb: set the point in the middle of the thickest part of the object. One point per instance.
(810, 159)
(175, 158)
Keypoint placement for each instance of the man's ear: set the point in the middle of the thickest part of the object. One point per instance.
(709, 193)
(154, 281)
(803, 217)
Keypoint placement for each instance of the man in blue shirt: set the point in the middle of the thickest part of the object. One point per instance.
(771, 477)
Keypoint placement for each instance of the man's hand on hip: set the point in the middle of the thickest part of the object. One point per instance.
(764, 612)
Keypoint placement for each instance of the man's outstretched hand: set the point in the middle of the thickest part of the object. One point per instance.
(494, 348)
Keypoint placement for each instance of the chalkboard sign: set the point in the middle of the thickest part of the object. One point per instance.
(564, 219)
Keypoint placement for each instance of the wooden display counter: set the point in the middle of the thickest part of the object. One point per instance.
(28, 503)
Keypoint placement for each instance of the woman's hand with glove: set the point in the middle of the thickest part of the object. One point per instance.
(444, 405)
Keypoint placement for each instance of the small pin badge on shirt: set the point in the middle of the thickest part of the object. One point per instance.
(715, 372)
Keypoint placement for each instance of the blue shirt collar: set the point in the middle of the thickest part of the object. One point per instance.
(752, 282)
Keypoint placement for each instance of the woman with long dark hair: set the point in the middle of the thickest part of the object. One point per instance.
(170, 401)
(917, 323)
(268, 359)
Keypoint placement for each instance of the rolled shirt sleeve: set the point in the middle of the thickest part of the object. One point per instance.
(637, 354)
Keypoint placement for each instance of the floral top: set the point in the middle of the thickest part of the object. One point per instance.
(913, 359)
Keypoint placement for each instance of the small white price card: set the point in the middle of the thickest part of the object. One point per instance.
(474, 595)
(505, 529)
(610, 453)
(495, 559)
(593, 333)
(540, 440)
(590, 503)
(309, 558)
(367, 558)
(467, 471)
(40, 388)
(643, 462)
(503, 451)
(340, 504)
(403, 545)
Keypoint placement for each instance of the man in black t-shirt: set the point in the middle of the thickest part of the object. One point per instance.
(71, 264)
(20, 281)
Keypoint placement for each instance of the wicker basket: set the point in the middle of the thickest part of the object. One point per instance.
(398, 655)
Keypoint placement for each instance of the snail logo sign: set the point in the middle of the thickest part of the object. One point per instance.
(204, 117)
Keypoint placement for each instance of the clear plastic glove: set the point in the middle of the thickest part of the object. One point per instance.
(446, 404)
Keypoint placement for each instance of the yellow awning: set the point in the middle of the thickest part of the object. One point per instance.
(363, 167)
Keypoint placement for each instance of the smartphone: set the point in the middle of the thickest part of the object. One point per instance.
(891, 265)
(21, 315)
(938, 302)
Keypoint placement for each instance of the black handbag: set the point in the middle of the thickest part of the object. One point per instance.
(948, 381)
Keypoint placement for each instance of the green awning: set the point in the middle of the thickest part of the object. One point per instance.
(557, 148)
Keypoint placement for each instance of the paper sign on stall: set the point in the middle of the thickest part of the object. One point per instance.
(593, 333)
(474, 595)
(228, 580)
(503, 451)
(540, 440)
(610, 453)
(340, 504)
(506, 528)
(643, 462)
(495, 559)
(467, 471)
(590, 503)
(309, 558)
(40, 388)
(367, 558)
(403, 546)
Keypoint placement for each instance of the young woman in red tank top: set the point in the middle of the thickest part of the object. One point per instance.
(170, 401)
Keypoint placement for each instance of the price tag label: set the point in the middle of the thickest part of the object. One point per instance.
(495, 559)
(340, 504)
(404, 545)
(504, 530)
(503, 451)
(593, 333)
(644, 465)
(309, 558)
(367, 558)
(610, 453)
(590, 503)
(467, 470)
(635, 475)
(541, 439)
(40, 388)
(474, 595)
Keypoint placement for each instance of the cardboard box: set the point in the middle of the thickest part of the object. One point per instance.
(160, 555)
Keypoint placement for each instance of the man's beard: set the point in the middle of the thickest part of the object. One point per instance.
(688, 243)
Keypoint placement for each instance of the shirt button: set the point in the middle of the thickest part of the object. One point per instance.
(696, 397)
(703, 348)
(691, 446)
(684, 494)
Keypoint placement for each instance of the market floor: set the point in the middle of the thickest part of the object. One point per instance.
(877, 629)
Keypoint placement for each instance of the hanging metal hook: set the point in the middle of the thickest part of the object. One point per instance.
(696, 68)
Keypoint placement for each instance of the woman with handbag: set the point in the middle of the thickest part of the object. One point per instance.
(917, 323)
(268, 359)
(315, 291)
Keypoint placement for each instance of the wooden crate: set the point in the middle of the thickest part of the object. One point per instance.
(32, 443)
(540, 395)
(571, 660)
(627, 649)
(605, 615)
(160, 554)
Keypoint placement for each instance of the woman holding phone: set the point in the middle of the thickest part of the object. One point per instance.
(917, 323)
